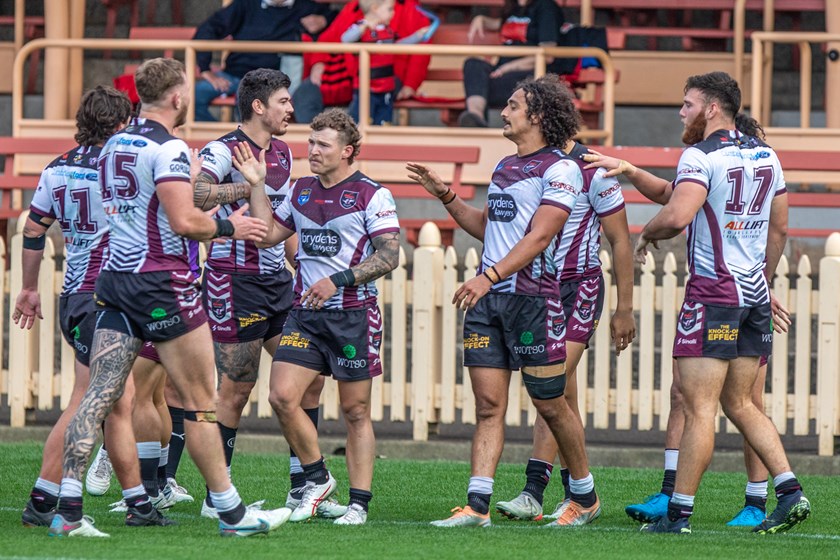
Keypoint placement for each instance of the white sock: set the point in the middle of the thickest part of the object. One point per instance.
(671, 458)
(294, 465)
(783, 477)
(129, 493)
(227, 500)
(682, 500)
(757, 489)
(164, 456)
(148, 450)
(583, 486)
(70, 488)
(47, 487)
(480, 485)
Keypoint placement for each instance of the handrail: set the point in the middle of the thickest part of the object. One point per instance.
(364, 50)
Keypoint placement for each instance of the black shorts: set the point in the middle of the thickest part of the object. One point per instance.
(156, 306)
(508, 331)
(726, 333)
(341, 343)
(245, 307)
(583, 301)
(77, 319)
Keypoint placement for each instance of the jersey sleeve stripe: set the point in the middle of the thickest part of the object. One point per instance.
(556, 205)
(384, 231)
(288, 224)
(171, 179)
(612, 210)
(695, 181)
(781, 191)
(43, 213)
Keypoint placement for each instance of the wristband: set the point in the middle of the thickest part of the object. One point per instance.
(224, 228)
(488, 277)
(35, 243)
(496, 272)
(343, 278)
(445, 198)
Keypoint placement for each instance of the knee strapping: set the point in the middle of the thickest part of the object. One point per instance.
(545, 382)
(200, 416)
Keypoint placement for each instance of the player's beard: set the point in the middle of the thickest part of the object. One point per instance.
(181, 118)
(695, 130)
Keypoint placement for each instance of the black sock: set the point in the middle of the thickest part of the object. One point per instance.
(298, 480)
(176, 442)
(756, 502)
(675, 511)
(42, 501)
(586, 500)
(233, 516)
(537, 475)
(565, 477)
(228, 441)
(313, 415)
(480, 503)
(361, 497)
(70, 508)
(141, 503)
(316, 472)
(103, 435)
(148, 472)
(161, 477)
(668, 482)
(788, 487)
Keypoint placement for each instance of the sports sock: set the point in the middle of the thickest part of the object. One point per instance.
(564, 477)
(228, 442)
(679, 506)
(149, 454)
(138, 499)
(537, 475)
(229, 505)
(176, 442)
(479, 493)
(786, 484)
(755, 495)
(44, 495)
(583, 491)
(360, 497)
(70, 499)
(297, 477)
(316, 472)
(161, 471)
(669, 478)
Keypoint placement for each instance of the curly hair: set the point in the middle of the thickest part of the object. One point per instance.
(102, 111)
(550, 100)
(340, 121)
(155, 77)
(259, 84)
(719, 86)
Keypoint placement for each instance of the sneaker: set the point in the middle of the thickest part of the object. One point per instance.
(98, 478)
(354, 515)
(135, 518)
(790, 512)
(294, 496)
(208, 511)
(331, 509)
(575, 515)
(750, 516)
(558, 511)
(179, 492)
(464, 517)
(256, 521)
(118, 507)
(651, 510)
(523, 507)
(33, 518)
(165, 499)
(313, 495)
(469, 119)
(664, 525)
(60, 527)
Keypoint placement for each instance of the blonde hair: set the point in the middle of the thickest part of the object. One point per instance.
(155, 77)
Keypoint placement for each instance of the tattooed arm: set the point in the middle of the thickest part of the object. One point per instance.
(208, 194)
(383, 260)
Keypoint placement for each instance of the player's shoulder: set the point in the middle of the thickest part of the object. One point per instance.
(143, 132)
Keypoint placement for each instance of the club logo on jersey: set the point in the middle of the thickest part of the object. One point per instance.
(584, 309)
(320, 242)
(502, 207)
(376, 340)
(688, 319)
(77, 159)
(303, 197)
(284, 161)
(348, 199)
(558, 325)
(180, 164)
(208, 156)
(218, 307)
(531, 165)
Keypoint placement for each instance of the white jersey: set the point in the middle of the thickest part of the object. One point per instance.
(727, 240)
(520, 185)
(133, 163)
(580, 241)
(335, 228)
(68, 191)
(243, 257)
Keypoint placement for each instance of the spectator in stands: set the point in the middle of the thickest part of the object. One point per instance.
(330, 76)
(251, 20)
(375, 27)
(523, 22)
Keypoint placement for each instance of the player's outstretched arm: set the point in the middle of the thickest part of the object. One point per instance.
(207, 194)
(470, 219)
(28, 301)
(652, 187)
(622, 324)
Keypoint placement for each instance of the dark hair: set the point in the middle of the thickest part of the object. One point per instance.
(155, 77)
(102, 111)
(510, 7)
(344, 124)
(259, 84)
(550, 100)
(719, 86)
(749, 126)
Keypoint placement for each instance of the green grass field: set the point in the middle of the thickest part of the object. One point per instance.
(407, 495)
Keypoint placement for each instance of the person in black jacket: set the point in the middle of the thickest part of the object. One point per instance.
(251, 20)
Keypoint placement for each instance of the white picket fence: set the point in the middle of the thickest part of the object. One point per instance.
(425, 383)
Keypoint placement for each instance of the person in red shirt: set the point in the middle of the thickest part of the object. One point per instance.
(329, 77)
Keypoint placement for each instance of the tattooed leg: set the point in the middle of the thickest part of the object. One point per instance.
(112, 355)
(238, 366)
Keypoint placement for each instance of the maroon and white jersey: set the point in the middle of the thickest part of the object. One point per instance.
(335, 229)
(580, 240)
(133, 163)
(243, 257)
(68, 191)
(727, 240)
(520, 185)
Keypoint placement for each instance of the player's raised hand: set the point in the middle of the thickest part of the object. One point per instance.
(252, 169)
(430, 180)
(614, 166)
(246, 227)
(196, 161)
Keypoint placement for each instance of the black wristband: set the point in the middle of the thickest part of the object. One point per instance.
(35, 243)
(343, 278)
(224, 228)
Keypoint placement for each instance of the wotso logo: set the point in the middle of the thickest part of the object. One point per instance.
(320, 242)
(502, 207)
